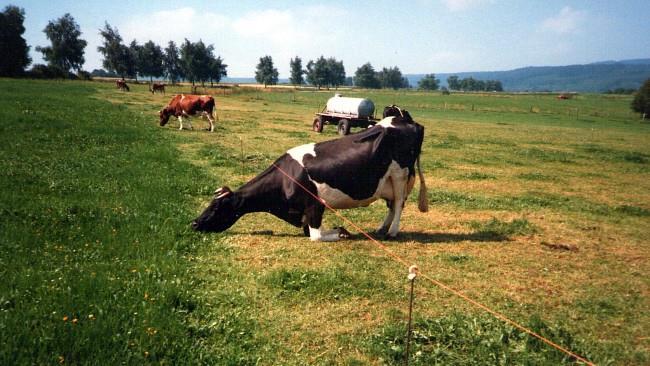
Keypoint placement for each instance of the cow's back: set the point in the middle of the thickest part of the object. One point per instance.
(353, 164)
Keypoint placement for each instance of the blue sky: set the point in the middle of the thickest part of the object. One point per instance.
(419, 36)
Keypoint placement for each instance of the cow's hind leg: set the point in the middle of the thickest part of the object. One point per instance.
(383, 229)
(399, 191)
(210, 120)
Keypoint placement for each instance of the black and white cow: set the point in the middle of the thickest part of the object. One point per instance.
(349, 172)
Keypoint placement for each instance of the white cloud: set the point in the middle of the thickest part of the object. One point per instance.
(242, 40)
(176, 25)
(566, 21)
(462, 5)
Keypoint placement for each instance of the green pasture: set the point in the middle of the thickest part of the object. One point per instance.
(539, 209)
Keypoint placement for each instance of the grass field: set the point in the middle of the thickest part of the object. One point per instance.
(539, 208)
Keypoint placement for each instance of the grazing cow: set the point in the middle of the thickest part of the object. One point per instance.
(188, 105)
(156, 87)
(349, 172)
(121, 84)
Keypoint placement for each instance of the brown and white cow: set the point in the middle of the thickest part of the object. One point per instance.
(121, 84)
(157, 87)
(183, 105)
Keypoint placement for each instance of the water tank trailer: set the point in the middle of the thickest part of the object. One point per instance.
(345, 113)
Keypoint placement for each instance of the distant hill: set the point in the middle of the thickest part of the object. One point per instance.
(594, 77)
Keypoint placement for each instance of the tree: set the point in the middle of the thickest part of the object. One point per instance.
(391, 78)
(151, 61)
(196, 61)
(493, 85)
(468, 84)
(429, 82)
(317, 72)
(67, 49)
(296, 71)
(479, 85)
(265, 73)
(366, 77)
(136, 59)
(335, 72)
(117, 57)
(453, 82)
(641, 102)
(172, 63)
(13, 47)
(217, 70)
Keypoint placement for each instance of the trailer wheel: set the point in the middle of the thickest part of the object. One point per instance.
(317, 126)
(343, 127)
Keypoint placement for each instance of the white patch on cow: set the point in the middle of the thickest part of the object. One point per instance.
(395, 175)
(323, 235)
(386, 122)
(299, 152)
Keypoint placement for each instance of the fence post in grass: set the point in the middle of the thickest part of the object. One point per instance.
(411, 277)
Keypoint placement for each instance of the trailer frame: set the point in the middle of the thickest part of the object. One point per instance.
(343, 121)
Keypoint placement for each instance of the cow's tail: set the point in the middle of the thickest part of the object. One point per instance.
(423, 201)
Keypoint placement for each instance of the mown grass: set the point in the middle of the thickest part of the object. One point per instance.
(513, 179)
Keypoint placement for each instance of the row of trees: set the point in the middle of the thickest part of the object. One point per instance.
(471, 84)
(192, 61)
(367, 77)
(320, 73)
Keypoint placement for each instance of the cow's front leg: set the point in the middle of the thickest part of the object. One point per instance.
(314, 220)
(316, 234)
(180, 121)
(383, 229)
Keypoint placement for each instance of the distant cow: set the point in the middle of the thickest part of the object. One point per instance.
(353, 171)
(157, 87)
(188, 105)
(121, 84)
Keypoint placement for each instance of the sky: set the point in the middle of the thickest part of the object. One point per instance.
(418, 36)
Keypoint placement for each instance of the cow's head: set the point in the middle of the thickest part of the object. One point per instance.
(395, 111)
(164, 116)
(220, 214)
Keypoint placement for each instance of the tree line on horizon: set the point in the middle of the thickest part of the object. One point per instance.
(191, 61)
(196, 62)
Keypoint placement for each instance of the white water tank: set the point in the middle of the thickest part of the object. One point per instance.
(354, 107)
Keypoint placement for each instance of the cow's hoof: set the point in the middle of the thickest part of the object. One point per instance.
(383, 235)
(381, 232)
(344, 234)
